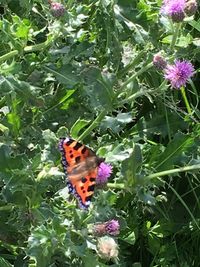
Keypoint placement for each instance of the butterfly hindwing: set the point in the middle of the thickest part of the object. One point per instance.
(80, 165)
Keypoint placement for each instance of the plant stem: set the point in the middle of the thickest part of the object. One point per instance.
(37, 47)
(116, 185)
(186, 100)
(132, 64)
(158, 174)
(167, 120)
(175, 37)
(132, 97)
(135, 75)
(172, 171)
(9, 55)
(98, 119)
(27, 49)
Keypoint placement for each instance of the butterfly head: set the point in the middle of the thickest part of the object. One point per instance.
(99, 160)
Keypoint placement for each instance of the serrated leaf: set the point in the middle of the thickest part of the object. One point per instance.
(117, 123)
(66, 75)
(97, 90)
(119, 153)
(23, 89)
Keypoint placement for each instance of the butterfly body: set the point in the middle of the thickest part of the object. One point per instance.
(81, 167)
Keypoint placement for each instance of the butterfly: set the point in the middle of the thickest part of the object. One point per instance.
(80, 164)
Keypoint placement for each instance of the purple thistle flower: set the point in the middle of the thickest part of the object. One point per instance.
(104, 172)
(179, 73)
(174, 9)
(110, 227)
(57, 9)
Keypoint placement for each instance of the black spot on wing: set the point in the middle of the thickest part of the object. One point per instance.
(83, 180)
(69, 142)
(92, 179)
(71, 156)
(77, 146)
(91, 188)
(77, 159)
(83, 150)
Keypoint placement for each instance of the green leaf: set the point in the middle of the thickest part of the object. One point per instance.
(23, 89)
(78, 126)
(15, 121)
(157, 124)
(130, 165)
(195, 24)
(174, 152)
(129, 238)
(4, 263)
(90, 259)
(117, 123)
(66, 75)
(99, 92)
(4, 129)
(184, 41)
(118, 153)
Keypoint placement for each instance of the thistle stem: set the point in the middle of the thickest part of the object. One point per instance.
(186, 100)
(175, 36)
(135, 75)
(98, 119)
(27, 49)
(158, 174)
(9, 55)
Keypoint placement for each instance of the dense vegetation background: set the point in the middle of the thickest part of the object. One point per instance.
(88, 72)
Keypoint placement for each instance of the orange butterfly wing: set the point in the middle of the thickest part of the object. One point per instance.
(81, 166)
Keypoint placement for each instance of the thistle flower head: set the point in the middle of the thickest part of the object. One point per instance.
(104, 172)
(159, 62)
(110, 227)
(174, 9)
(191, 7)
(57, 9)
(107, 248)
(179, 73)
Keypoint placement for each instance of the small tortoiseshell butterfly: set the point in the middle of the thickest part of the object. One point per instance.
(80, 164)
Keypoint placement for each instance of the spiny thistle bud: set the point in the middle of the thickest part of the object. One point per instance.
(159, 62)
(190, 7)
(178, 16)
(57, 9)
(110, 227)
(107, 248)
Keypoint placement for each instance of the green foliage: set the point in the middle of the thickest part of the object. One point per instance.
(89, 74)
